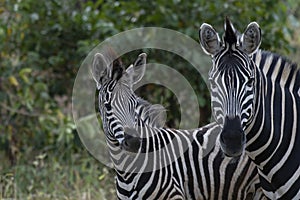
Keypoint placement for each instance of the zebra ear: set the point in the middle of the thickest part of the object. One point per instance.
(99, 68)
(250, 39)
(136, 71)
(209, 39)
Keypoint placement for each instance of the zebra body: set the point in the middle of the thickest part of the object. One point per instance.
(256, 100)
(152, 162)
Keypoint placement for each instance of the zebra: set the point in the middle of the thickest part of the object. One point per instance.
(133, 143)
(255, 98)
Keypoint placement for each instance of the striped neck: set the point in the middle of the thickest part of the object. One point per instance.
(274, 100)
(256, 124)
(273, 137)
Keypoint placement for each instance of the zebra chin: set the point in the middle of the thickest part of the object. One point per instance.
(232, 137)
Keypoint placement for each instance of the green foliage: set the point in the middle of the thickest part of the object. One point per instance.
(42, 44)
(187, 16)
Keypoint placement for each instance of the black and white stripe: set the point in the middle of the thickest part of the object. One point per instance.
(258, 94)
(160, 163)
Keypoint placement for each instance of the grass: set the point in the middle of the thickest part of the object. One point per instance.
(52, 175)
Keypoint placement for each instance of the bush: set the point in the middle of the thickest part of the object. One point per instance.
(42, 44)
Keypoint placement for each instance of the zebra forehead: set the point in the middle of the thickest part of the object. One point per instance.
(233, 65)
(230, 60)
(233, 72)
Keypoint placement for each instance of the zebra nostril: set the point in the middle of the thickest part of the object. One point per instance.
(222, 139)
(243, 138)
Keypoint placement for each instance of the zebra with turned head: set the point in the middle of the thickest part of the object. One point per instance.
(256, 99)
(159, 163)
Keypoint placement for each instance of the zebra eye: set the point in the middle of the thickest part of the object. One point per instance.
(213, 84)
(250, 82)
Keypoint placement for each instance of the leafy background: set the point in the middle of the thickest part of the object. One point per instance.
(42, 44)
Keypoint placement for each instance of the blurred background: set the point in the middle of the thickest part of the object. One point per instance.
(42, 45)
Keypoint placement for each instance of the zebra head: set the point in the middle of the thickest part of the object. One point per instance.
(117, 101)
(232, 81)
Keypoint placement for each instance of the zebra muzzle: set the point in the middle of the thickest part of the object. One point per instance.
(232, 137)
(131, 140)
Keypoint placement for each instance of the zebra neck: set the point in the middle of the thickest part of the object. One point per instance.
(126, 161)
(276, 119)
(258, 130)
(273, 137)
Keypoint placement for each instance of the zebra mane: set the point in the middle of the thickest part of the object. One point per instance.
(278, 56)
(116, 67)
(287, 65)
(230, 36)
(153, 114)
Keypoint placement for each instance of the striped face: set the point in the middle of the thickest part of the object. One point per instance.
(232, 81)
(117, 101)
(232, 86)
